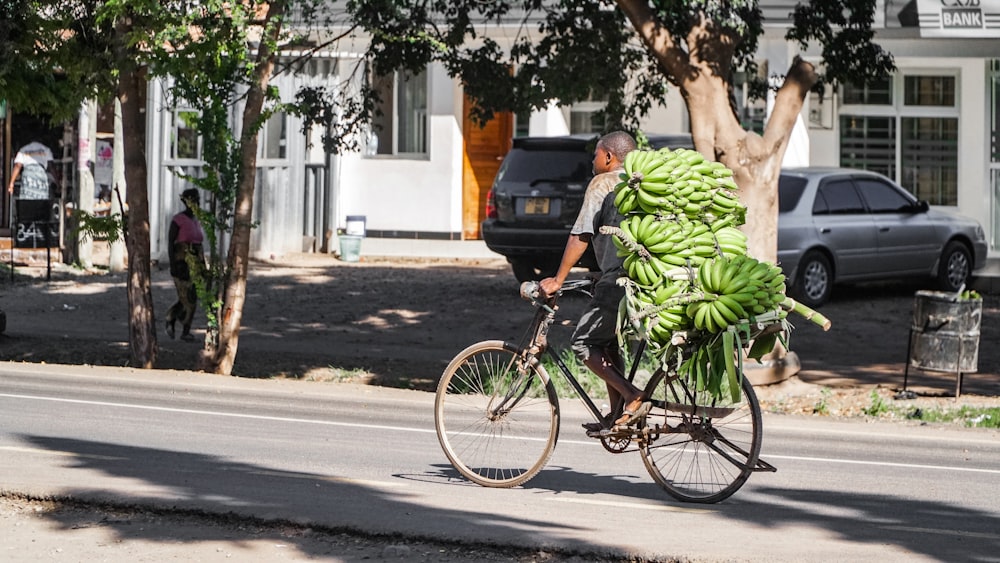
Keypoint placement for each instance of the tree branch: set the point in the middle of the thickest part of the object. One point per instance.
(658, 40)
(788, 101)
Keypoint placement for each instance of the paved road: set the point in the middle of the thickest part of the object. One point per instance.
(367, 458)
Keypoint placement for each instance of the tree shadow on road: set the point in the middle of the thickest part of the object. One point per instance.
(939, 530)
(198, 484)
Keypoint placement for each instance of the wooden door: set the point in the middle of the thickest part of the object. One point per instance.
(485, 147)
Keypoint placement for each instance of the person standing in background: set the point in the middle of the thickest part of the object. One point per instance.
(184, 248)
(32, 165)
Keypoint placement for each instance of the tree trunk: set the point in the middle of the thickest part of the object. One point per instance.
(141, 319)
(221, 357)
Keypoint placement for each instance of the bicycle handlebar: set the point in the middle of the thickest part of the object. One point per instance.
(530, 290)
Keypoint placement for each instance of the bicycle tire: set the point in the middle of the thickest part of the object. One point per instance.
(491, 447)
(712, 449)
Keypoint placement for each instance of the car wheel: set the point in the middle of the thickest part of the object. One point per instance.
(533, 269)
(955, 266)
(814, 280)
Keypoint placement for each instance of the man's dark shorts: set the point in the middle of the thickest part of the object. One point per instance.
(596, 329)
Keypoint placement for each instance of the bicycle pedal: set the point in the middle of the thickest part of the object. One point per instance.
(602, 433)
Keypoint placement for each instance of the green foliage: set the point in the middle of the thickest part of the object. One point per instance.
(972, 417)
(878, 406)
(53, 55)
(593, 385)
(108, 227)
(585, 49)
(821, 406)
(844, 30)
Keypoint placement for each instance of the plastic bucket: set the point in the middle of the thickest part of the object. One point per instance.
(350, 248)
(945, 332)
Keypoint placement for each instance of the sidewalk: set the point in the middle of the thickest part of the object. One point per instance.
(424, 248)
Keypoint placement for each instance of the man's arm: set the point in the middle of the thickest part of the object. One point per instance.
(171, 238)
(13, 176)
(575, 247)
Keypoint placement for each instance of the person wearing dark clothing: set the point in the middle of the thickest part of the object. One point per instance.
(595, 340)
(187, 262)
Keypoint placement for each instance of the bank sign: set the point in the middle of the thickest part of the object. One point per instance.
(959, 18)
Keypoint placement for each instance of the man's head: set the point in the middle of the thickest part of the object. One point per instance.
(191, 197)
(610, 152)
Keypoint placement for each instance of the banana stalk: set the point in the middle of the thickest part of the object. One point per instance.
(811, 315)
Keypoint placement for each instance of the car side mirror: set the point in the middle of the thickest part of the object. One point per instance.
(921, 206)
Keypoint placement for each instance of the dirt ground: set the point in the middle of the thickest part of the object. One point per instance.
(398, 322)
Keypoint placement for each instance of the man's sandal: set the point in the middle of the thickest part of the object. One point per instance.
(631, 416)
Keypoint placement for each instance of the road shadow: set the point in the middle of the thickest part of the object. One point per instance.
(938, 530)
(197, 484)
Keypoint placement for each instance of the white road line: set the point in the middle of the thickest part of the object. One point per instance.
(218, 413)
(631, 505)
(929, 436)
(956, 533)
(432, 431)
(882, 463)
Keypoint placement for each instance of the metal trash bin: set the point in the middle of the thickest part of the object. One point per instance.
(944, 335)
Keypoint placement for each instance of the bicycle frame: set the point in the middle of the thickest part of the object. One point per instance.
(537, 345)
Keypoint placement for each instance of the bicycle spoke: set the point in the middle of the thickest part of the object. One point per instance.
(710, 449)
(496, 422)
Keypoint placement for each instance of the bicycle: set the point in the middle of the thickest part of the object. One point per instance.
(497, 417)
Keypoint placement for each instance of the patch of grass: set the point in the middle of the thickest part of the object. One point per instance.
(972, 417)
(593, 385)
(877, 407)
(821, 406)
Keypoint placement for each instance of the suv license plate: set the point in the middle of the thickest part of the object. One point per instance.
(536, 206)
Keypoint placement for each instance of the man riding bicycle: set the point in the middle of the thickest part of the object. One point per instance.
(595, 340)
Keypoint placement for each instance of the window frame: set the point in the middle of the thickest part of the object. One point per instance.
(175, 122)
(392, 105)
(264, 141)
(899, 111)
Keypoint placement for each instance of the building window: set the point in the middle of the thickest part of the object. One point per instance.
(273, 140)
(522, 123)
(930, 158)
(878, 92)
(400, 124)
(907, 129)
(587, 117)
(929, 91)
(184, 140)
(868, 143)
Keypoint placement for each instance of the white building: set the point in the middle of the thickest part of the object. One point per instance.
(933, 128)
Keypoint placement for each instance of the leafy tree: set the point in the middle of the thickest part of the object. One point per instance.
(218, 56)
(58, 53)
(628, 52)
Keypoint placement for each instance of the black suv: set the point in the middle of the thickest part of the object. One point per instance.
(537, 195)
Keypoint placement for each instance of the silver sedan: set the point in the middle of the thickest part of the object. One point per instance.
(843, 225)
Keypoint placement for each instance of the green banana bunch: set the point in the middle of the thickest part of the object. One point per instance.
(688, 265)
(680, 182)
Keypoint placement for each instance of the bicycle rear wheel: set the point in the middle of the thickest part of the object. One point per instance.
(704, 450)
(497, 417)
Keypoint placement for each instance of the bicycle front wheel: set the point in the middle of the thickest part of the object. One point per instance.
(700, 450)
(496, 416)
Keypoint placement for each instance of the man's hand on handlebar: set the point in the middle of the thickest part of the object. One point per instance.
(550, 286)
